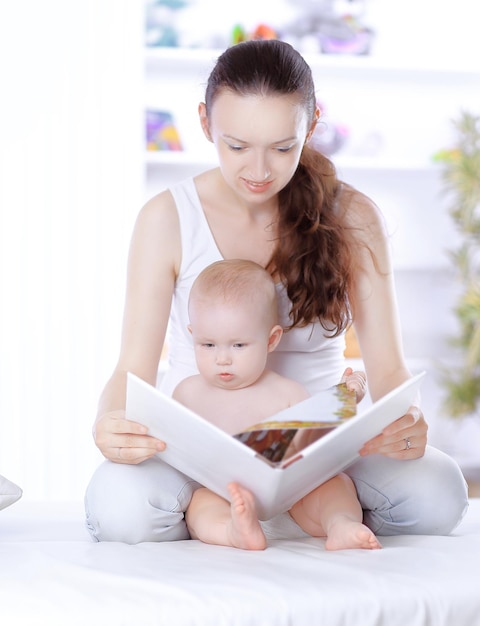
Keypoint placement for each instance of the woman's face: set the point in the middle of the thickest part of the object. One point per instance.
(258, 139)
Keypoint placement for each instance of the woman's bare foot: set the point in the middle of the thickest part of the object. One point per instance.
(346, 533)
(244, 529)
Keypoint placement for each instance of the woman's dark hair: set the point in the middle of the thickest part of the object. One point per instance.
(314, 251)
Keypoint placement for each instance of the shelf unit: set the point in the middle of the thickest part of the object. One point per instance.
(188, 59)
(404, 109)
(399, 115)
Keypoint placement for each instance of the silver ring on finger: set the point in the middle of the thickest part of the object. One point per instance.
(408, 443)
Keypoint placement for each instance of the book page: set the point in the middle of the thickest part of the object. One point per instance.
(277, 440)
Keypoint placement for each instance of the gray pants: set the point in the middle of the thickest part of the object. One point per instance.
(146, 502)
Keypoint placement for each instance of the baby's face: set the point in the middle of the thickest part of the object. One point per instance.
(231, 343)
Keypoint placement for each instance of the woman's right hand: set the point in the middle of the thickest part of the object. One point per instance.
(123, 441)
(153, 261)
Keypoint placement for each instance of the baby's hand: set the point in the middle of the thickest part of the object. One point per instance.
(355, 381)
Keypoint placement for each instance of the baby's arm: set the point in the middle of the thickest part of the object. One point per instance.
(355, 381)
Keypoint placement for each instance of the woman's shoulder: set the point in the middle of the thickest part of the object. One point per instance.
(181, 194)
(358, 211)
(158, 208)
(156, 234)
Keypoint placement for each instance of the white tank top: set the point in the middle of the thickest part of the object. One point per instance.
(304, 354)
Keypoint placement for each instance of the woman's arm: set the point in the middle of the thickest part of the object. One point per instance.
(154, 259)
(377, 327)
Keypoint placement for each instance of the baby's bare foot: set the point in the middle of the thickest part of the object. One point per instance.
(347, 534)
(245, 530)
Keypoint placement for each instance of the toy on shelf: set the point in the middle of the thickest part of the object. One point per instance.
(238, 34)
(261, 31)
(329, 26)
(161, 132)
(264, 31)
(354, 39)
(161, 18)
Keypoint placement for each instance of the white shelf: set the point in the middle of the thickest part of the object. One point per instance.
(178, 158)
(381, 164)
(195, 59)
(188, 158)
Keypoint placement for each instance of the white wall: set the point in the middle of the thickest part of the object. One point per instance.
(71, 183)
(426, 31)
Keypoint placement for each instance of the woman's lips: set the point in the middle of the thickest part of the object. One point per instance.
(257, 187)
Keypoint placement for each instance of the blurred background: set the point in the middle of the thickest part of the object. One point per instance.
(99, 112)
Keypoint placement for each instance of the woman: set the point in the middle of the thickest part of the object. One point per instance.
(275, 201)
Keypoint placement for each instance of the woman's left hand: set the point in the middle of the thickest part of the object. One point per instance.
(405, 438)
(355, 381)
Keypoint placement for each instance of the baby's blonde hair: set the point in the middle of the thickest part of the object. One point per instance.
(235, 281)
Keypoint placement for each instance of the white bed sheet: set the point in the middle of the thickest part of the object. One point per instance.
(52, 574)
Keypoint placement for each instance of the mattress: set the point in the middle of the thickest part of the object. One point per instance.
(51, 573)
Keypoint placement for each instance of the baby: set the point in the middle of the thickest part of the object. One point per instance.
(233, 316)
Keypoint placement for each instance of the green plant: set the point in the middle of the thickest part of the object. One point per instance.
(461, 177)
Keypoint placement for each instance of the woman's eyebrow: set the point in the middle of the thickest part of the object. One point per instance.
(231, 138)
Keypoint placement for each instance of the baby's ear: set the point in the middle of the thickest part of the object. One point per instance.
(274, 337)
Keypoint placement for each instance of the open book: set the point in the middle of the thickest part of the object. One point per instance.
(279, 460)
